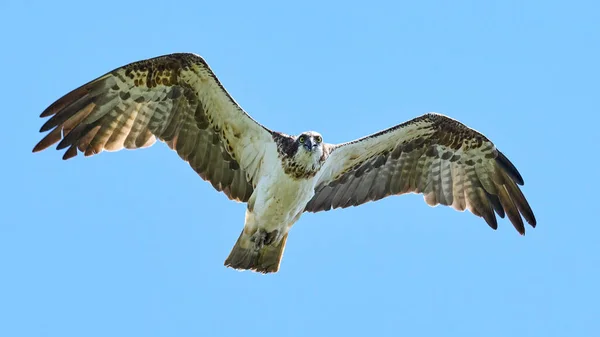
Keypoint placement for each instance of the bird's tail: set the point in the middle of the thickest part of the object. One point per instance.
(246, 255)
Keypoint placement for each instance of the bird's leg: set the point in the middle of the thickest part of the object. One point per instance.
(261, 238)
(272, 237)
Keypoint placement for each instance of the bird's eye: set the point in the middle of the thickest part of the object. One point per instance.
(318, 139)
(301, 139)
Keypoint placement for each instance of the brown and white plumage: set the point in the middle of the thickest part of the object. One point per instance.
(177, 99)
(449, 163)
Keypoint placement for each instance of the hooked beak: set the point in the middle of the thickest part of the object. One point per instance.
(308, 145)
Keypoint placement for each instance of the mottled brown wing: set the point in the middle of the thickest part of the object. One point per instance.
(175, 98)
(449, 163)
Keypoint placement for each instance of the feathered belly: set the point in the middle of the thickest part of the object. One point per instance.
(280, 200)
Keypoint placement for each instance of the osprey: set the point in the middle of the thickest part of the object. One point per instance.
(177, 99)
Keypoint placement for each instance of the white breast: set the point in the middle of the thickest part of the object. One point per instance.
(280, 199)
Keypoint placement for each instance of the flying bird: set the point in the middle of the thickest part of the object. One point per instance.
(177, 99)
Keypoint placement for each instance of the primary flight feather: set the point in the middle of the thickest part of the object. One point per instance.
(177, 99)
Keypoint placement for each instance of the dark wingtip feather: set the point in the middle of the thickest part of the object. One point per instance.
(49, 111)
(73, 135)
(509, 168)
(490, 219)
(68, 98)
(495, 202)
(520, 201)
(530, 217)
(64, 143)
(70, 153)
(39, 147)
(51, 138)
(533, 221)
(511, 209)
(48, 125)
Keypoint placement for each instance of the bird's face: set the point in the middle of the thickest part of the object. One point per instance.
(310, 141)
(310, 145)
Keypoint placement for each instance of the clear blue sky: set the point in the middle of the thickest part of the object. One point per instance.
(133, 243)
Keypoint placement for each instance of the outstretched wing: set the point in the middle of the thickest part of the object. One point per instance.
(175, 98)
(449, 163)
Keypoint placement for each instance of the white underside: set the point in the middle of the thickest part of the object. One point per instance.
(279, 200)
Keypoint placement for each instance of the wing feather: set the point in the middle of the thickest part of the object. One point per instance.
(447, 162)
(458, 188)
(446, 181)
(175, 98)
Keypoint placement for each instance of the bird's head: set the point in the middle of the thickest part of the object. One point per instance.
(310, 146)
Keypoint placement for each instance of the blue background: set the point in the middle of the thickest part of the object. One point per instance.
(133, 243)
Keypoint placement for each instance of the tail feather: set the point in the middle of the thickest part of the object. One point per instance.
(246, 256)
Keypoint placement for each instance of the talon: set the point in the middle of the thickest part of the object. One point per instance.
(272, 237)
(259, 238)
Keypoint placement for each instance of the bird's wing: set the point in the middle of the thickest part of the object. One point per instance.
(174, 98)
(449, 163)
